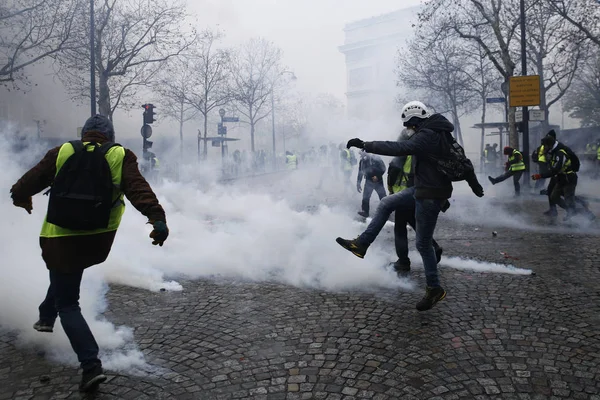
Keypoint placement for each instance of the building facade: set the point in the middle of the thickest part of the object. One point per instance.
(371, 49)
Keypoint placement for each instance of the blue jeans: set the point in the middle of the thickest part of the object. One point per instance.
(403, 200)
(62, 300)
(426, 215)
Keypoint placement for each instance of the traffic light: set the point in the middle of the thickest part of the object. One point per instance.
(147, 144)
(148, 113)
(222, 130)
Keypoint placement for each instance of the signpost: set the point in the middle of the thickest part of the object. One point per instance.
(537, 115)
(495, 100)
(231, 119)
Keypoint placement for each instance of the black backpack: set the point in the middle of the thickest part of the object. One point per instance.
(453, 163)
(81, 197)
(575, 163)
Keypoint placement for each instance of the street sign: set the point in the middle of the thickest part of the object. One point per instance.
(524, 91)
(495, 100)
(231, 119)
(216, 143)
(537, 115)
(146, 131)
(519, 116)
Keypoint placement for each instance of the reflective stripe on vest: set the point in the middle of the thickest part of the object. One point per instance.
(566, 168)
(519, 166)
(402, 180)
(115, 157)
(348, 162)
(292, 161)
(598, 154)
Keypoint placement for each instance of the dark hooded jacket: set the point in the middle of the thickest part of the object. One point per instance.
(72, 253)
(369, 167)
(429, 182)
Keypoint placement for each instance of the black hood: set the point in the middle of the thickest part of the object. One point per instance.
(99, 123)
(437, 122)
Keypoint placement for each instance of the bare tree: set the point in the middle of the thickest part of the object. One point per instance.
(490, 24)
(555, 48)
(32, 30)
(255, 68)
(439, 71)
(134, 39)
(173, 86)
(209, 78)
(583, 15)
(582, 101)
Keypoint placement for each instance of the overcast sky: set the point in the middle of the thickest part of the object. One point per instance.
(308, 31)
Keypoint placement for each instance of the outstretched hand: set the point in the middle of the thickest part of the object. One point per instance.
(356, 142)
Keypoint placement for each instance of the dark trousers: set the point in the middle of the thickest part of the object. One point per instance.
(405, 216)
(564, 187)
(62, 300)
(516, 175)
(371, 186)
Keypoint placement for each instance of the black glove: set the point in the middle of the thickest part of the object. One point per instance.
(356, 142)
(160, 233)
(358, 188)
(475, 185)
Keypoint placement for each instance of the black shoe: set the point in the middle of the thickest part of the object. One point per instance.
(363, 214)
(492, 180)
(432, 296)
(354, 246)
(438, 254)
(90, 380)
(402, 269)
(43, 326)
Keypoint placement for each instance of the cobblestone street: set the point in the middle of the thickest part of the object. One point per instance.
(495, 336)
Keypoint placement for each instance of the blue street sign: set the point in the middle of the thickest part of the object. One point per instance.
(495, 100)
(231, 119)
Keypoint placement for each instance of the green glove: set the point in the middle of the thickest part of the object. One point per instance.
(160, 233)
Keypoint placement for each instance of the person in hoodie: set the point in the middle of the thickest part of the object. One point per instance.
(430, 193)
(514, 167)
(401, 176)
(371, 168)
(67, 253)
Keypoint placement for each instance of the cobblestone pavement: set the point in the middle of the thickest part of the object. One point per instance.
(495, 336)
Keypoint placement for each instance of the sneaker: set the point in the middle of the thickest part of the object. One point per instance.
(402, 270)
(90, 380)
(438, 254)
(492, 180)
(43, 326)
(432, 296)
(353, 246)
(363, 214)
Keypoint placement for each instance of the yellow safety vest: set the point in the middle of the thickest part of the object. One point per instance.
(519, 166)
(598, 154)
(402, 180)
(348, 161)
(292, 161)
(115, 157)
(541, 155)
(566, 168)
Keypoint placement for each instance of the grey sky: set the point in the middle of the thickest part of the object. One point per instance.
(308, 31)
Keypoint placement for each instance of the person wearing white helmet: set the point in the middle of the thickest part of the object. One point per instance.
(429, 195)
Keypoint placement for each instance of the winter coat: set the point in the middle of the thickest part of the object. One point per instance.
(369, 167)
(73, 253)
(429, 182)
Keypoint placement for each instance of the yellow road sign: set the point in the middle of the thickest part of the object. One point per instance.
(524, 91)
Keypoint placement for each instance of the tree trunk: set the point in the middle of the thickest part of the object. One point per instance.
(104, 96)
(181, 130)
(513, 136)
(205, 148)
(545, 126)
(252, 135)
(482, 147)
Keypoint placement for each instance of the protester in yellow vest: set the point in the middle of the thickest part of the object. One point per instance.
(68, 251)
(346, 164)
(514, 167)
(291, 160)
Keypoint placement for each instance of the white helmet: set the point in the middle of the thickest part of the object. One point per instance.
(414, 109)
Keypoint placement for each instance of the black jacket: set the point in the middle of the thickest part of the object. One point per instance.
(429, 182)
(369, 167)
(556, 159)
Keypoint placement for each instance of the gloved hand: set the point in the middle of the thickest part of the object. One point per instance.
(27, 204)
(535, 177)
(355, 143)
(160, 233)
(477, 189)
(358, 188)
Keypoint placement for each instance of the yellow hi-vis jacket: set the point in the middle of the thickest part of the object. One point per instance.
(402, 180)
(115, 157)
(516, 166)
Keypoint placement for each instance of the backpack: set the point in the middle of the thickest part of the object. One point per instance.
(575, 163)
(81, 197)
(453, 163)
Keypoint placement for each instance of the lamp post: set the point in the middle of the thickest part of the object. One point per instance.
(525, 123)
(92, 60)
(293, 77)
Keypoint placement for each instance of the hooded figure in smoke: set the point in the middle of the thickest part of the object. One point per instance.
(429, 195)
(91, 166)
(371, 168)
